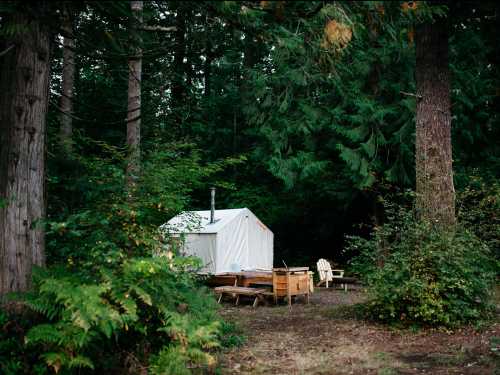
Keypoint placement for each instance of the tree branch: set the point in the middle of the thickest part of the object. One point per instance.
(5, 51)
(159, 28)
(411, 94)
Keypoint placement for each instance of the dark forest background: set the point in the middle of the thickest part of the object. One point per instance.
(323, 127)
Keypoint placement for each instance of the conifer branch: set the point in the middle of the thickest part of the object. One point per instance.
(418, 96)
(5, 51)
(158, 28)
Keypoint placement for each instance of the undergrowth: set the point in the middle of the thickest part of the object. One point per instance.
(109, 302)
(146, 313)
(419, 274)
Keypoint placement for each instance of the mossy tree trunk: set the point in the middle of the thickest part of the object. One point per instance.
(434, 175)
(24, 82)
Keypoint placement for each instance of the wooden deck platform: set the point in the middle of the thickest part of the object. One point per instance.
(244, 278)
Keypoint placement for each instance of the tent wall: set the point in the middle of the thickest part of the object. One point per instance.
(232, 245)
(203, 246)
(260, 244)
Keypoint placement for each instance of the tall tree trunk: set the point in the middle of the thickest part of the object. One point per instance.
(250, 58)
(243, 78)
(207, 72)
(434, 175)
(68, 78)
(24, 81)
(178, 91)
(207, 68)
(134, 97)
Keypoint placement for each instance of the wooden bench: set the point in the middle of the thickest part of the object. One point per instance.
(236, 291)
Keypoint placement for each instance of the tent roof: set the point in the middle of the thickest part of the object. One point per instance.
(199, 221)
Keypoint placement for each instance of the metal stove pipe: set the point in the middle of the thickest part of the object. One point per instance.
(212, 205)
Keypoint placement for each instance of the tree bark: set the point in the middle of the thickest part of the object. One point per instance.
(178, 91)
(207, 73)
(24, 81)
(243, 79)
(134, 97)
(434, 175)
(68, 79)
(207, 69)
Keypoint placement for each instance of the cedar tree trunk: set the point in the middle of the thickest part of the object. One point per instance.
(68, 78)
(134, 97)
(434, 175)
(24, 83)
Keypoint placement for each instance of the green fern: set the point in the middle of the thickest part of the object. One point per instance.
(139, 298)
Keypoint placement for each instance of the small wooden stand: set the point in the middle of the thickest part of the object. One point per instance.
(288, 282)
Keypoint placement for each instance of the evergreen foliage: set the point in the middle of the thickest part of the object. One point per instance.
(330, 108)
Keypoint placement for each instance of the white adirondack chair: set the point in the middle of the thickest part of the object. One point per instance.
(326, 274)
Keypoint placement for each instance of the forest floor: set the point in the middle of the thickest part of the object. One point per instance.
(326, 337)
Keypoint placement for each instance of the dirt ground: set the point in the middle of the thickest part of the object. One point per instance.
(325, 337)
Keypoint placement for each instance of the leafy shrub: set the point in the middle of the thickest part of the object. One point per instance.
(479, 208)
(418, 274)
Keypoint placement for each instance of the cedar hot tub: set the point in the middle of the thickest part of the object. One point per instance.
(292, 281)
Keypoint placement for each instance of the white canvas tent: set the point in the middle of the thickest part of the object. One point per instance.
(236, 241)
